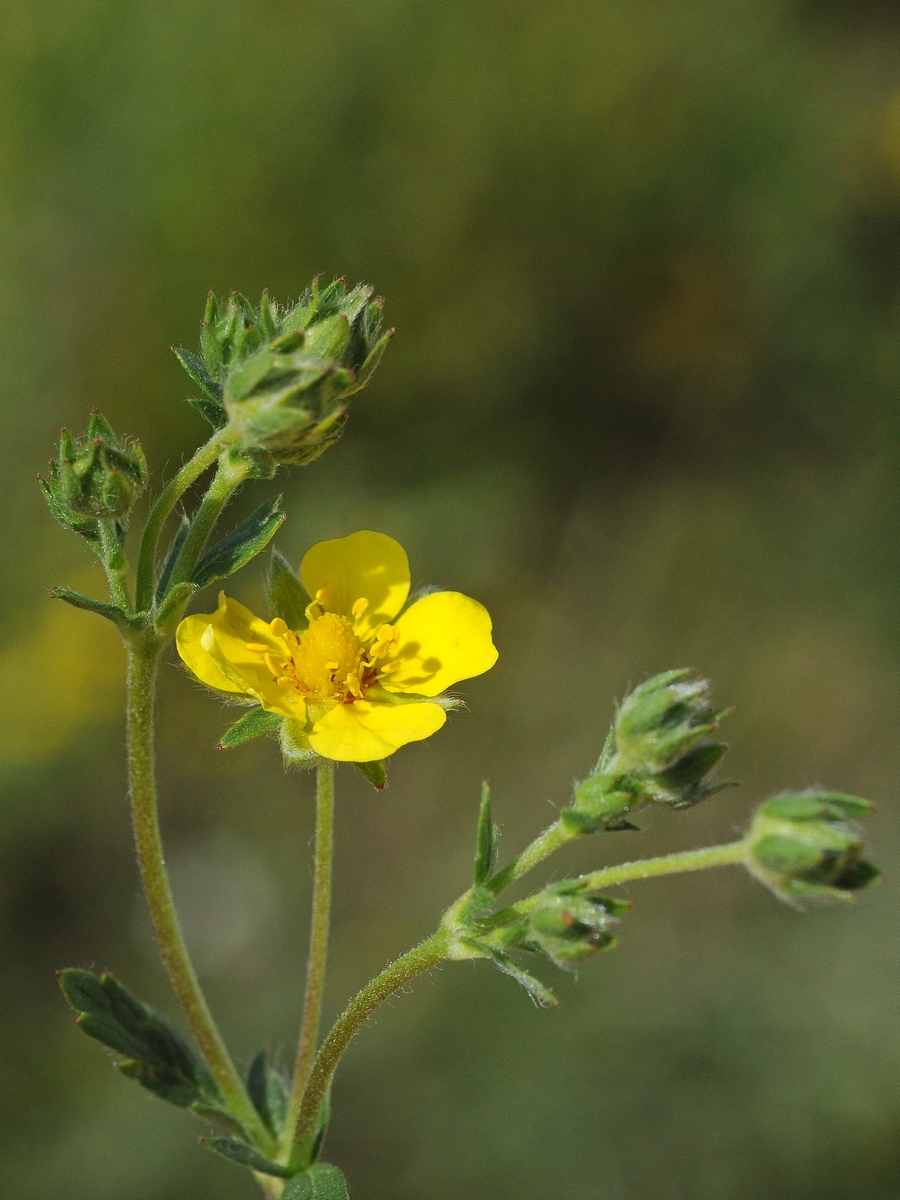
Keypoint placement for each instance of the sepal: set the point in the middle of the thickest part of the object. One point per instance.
(374, 772)
(266, 1089)
(256, 723)
(487, 839)
(285, 593)
(321, 1182)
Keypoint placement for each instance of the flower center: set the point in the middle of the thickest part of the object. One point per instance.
(326, 660)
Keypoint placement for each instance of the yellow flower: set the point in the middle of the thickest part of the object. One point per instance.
(359, 680)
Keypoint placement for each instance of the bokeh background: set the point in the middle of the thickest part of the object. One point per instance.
(643, 258)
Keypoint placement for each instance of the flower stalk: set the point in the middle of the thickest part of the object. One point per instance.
(318, 943)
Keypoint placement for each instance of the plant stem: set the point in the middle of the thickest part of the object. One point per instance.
(421, 958)
(318, 943)
(175, 489)
(645, 868)
(143, 656)
(543, 845)
(115, 564)
(226, 480)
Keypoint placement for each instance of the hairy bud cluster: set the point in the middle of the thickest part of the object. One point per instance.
(96, 478)
(659, 751)
(280, 377)
(806, 846)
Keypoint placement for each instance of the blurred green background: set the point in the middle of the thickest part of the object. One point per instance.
(643, 257)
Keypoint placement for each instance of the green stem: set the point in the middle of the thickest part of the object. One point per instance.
(421, 958)
(318, 943)
(646, 868)
(115, 564)
(542, 847)
(142, 664)
(226, 480)
(171, 494)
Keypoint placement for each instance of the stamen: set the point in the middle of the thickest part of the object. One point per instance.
(387, 633)
(313, 611)
(285, 682)
(391, 666)
(359, 607)
(331, 666)
(323, 593)
(258, 647)
(353, 685)
(275, 667)
(278, 626)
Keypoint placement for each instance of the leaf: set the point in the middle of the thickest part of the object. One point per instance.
(322, 1126)
(538, 991)
(253, 724)
(375, 772)
(219, 1116)
(266, 1090)
(321, 1182)
(210, 411)
(172, 559)
(196, 368)
(245, 1156)
(156, 1055)
(285, 593)
(111, 611)
(174, 604)
(487, 838)
(243, 543)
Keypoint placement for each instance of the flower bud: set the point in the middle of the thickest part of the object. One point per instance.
(570, 924)
(96, 478)
(806, 845)
(659, 751)
(281, 377)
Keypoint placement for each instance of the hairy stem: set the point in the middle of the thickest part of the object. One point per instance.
(421, 958)
(318, 943)
(227, 479)
(171, 494)
(542, 847)
(142, 664)
(115, 564)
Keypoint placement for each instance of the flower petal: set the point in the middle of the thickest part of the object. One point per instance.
(364, 732)
(214, 647)
(364, 565)
(444, 637)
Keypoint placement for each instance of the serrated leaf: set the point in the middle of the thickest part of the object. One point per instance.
(487, 838)
(196, 368)
(157, 1056)
(245, 1156)
(253, 724)
(321, 1182)
(172, 558)
(375, 772)
(238, 547)
(286, 595)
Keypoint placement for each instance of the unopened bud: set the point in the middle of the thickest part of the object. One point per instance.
(97, 477)
(806, 846)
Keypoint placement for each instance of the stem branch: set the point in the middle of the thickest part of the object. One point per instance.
(142, 663)
(318, 942)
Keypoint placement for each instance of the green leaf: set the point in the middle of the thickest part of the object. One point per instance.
(487, 838)
(238, 547)
(156, 1055)
(321, 1182)
(196, 368)
(245, 1156)
(111, 611)
(253, 724)
(174, 604)
(375, 772)
(210, 411)
(285, 593)
(266, 1090)
(172, 559)
(219, 1116)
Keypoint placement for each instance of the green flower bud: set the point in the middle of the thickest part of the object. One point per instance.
(281, 377)
(658, 751)
(806, 845)
(96, 478)
(568, 924)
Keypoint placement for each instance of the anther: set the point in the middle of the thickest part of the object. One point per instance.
(359, 607)
(323, 593)
(258, 647)
(285, 682)
(274, 667)
(278, 626)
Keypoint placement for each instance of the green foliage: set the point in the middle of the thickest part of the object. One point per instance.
(487, 840)
(245, 1156)
(267, 1091)
(321, 1182)
(374, 772)
(285, 593)
(237, 548)
(253, 724)
(155, 1054)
